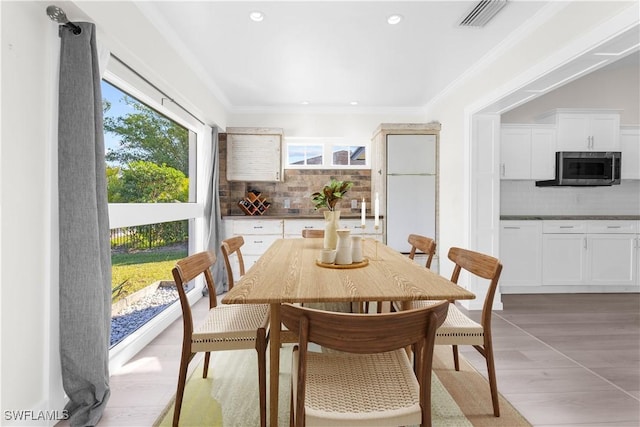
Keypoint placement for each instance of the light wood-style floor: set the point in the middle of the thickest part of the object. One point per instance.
(562, 360)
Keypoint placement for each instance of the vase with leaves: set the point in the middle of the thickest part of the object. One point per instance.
(328, 198)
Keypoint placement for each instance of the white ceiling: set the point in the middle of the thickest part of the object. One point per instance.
(330, 53)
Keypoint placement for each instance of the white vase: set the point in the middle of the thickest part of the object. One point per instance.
(356, 249)
(343, 250)
(331, 219)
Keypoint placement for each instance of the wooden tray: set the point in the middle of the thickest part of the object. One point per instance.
(362, 263)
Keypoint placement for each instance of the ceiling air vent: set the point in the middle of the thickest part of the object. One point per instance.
(482, 13)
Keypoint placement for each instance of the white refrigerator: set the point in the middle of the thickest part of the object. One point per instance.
(411, 188)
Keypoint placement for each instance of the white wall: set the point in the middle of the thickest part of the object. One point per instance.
(29, 282)
(614, 87)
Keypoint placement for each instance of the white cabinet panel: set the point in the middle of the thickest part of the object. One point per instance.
(588, 131)
(563, 259)
(411, 154)
(294, 227)
(521, 253)
(630, 147)
(611, 259)
(527, 152)
(257, 226)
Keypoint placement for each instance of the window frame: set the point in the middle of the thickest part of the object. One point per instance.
(130, 214)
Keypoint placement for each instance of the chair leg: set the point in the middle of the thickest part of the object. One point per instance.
(182, 380)
(261, 349)
(456, 361)
(491, 371)
(205, 370)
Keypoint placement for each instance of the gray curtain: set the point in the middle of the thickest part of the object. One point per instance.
(212, 216)
(85, 261)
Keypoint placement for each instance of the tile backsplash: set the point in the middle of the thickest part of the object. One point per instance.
(297, 187)
(524, 198)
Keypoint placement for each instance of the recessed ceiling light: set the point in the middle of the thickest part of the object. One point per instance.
(354, 103)
(394, 19)
(305, 103)
(256, 16)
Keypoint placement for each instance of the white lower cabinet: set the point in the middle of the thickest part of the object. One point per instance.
(570, 256)
(596, 254)
(520, 254)
(258, 235)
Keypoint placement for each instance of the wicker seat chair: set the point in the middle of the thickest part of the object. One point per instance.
(368, 379)
(458, 329)
(227, 327)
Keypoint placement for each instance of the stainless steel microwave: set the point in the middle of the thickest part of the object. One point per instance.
(585, 168)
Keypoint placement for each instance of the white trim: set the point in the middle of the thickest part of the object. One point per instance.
(130, 214)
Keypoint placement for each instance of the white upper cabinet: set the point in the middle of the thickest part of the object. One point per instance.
(254, 154)
(527, 152)
(585, 129)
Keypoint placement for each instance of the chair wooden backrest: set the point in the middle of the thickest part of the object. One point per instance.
(481, 265)
(424, 244)
(365, 334)
(309, 232)
(229, 247)
(186, 270)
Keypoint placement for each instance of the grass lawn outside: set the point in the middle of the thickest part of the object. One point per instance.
(140, 269)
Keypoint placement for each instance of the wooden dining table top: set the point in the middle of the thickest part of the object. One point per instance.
(288, 272)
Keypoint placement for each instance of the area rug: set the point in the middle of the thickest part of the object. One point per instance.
(229, 397)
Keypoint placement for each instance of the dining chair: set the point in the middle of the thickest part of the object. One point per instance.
(424, 244)
(309, 232)
(229, 248)
(227, 327)
(458, 329)
(418, 243)
(364, 375)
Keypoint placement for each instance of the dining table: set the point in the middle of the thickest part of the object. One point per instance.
(290, 272)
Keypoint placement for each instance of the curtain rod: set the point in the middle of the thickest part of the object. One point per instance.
(156, 88)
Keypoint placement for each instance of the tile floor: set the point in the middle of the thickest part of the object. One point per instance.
(562, 360)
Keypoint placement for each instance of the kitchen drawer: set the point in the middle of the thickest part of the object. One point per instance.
(257, 226)
(612, 227)
(564, 227)
(294, 227)
(258, 244)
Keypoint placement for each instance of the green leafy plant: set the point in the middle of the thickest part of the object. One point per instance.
(330, 194)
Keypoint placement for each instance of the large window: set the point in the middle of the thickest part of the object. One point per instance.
(151, 182)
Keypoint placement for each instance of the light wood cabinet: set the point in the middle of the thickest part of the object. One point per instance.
(254, 154)
(585, 129)
(527, 152)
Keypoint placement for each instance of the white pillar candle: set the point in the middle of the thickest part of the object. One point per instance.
(363, 208)
(377, 212)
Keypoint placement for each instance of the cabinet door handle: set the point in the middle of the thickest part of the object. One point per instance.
(504, 169)
(566, 226)
(614, 226)
(256, 227)
(585, 243)
(511, 228)
(257, 241)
